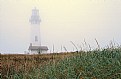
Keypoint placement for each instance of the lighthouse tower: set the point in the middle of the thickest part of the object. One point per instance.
(35, 40)
(35, 28)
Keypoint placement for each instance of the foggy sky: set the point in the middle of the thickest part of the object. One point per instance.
(62, 21)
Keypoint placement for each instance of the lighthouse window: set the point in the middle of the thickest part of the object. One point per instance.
(36, 39)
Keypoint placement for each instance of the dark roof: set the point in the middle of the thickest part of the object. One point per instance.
(38, 47)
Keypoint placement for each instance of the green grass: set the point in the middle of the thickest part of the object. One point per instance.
(104, 64)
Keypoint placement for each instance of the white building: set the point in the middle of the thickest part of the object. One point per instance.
(35, 44)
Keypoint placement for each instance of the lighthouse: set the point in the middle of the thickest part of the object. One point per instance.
(35, 37)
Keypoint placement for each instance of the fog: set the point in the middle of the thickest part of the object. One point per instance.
(62, 21)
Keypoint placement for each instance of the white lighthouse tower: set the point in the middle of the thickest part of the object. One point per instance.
(35, 28)
(35, 44)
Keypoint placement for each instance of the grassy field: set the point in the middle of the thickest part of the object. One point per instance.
(12, 64)
(97, 64)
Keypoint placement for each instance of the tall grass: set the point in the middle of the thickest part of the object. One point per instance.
(17, 63)
(97, 64)
(105, 64)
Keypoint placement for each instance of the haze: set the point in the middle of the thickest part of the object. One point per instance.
(62, 21)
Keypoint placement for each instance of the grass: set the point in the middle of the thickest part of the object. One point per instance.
(18, 63)
(97, 64)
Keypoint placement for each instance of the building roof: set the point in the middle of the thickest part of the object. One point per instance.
(38, 48)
